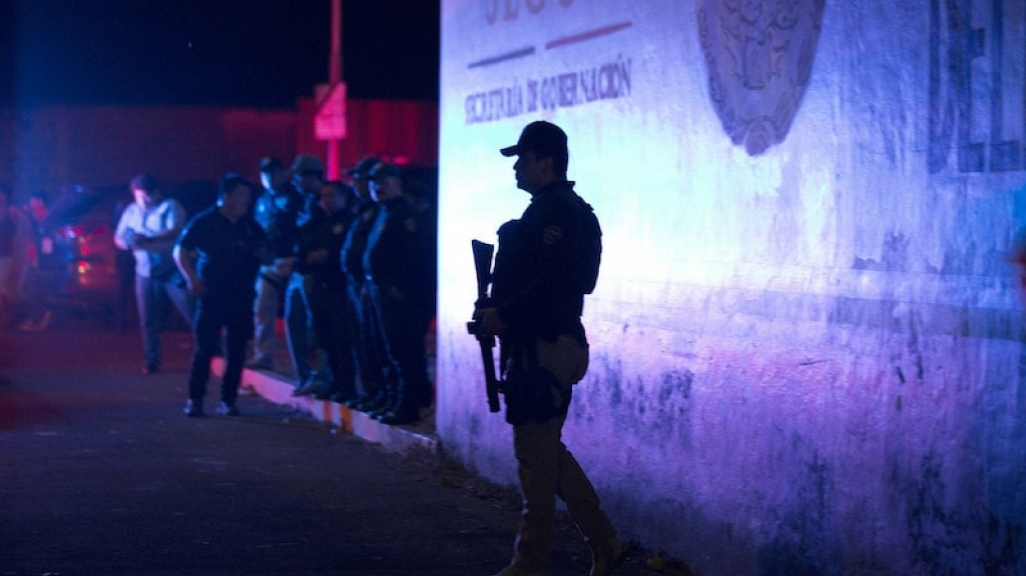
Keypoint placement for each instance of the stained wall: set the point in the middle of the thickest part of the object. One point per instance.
(807, 335)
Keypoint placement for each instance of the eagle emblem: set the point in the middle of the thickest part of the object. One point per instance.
(759, 55)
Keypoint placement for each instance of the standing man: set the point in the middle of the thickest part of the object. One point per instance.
(396, 264)
(307, 177)
(368, 365)
(320, 245)
(149, 227)
(547, 261)
(219, 253)
(276, 212)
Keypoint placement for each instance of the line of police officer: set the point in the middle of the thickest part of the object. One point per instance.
(356, 267)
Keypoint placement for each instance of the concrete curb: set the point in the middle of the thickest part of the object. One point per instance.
(278, 390)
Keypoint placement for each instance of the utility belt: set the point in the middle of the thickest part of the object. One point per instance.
(565, 358)
(539, 377)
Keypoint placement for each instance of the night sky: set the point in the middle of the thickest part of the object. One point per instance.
(239, 53)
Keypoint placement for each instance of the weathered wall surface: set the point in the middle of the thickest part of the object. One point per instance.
(807, 338)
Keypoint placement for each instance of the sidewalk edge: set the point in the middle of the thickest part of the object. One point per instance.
(278, 390)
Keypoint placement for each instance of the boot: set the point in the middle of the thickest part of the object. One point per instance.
(401, 413)
(608, 557)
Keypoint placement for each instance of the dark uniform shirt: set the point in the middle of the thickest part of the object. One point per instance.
(230, 253)
(328, 232)
(310, 216)
(356, 243)
(539, 280)
(277, 212)
(395, 256)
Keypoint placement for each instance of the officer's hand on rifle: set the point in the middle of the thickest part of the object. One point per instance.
(489, 322)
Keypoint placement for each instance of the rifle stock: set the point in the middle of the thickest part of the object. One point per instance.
(483, 268)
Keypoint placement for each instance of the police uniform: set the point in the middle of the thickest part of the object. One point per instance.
(396, 262)
(276, 212)
(326, 287)
(546, 262)
(368, 364)
(298, 314)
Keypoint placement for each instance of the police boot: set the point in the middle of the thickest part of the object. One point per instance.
(379, 403)
(401, 413)
(608, 557)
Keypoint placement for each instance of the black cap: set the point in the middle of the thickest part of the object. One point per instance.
(308, 164)
(363, 167)
(539, 136)
(269, 164)
(384, 170)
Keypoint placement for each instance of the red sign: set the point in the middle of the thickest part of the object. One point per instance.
(330, 119)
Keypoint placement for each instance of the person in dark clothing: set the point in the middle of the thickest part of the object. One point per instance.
(547, 261)
(319, 249)
(396, 266)
(276, 211)
(370, 394)
(220, 252)
(307, 177)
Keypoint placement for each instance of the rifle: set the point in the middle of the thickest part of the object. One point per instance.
(483, 267)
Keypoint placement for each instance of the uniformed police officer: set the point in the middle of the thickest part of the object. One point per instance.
(371, 392)
(307, 177)
(277, 210)
(547, 260)
(319, 247)
(396, 266)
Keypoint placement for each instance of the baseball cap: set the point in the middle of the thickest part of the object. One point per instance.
(384, 170)
(538, 136)
(363, 167)
(307, 163)
(270, 164)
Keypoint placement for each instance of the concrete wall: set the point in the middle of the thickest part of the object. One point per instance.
(806, 340)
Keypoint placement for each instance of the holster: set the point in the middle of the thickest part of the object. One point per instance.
(540, 377)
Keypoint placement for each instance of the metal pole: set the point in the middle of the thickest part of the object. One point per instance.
(334, 77)
(335, 73)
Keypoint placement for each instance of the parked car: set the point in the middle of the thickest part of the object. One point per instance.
(76, 255)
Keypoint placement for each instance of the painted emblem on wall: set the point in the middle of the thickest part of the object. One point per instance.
(759, 55)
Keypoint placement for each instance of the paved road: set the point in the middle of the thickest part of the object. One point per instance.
(100, 473)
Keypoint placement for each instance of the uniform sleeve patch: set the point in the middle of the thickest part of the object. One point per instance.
(552, 234)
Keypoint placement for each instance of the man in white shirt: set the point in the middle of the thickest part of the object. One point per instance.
(149, 228)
